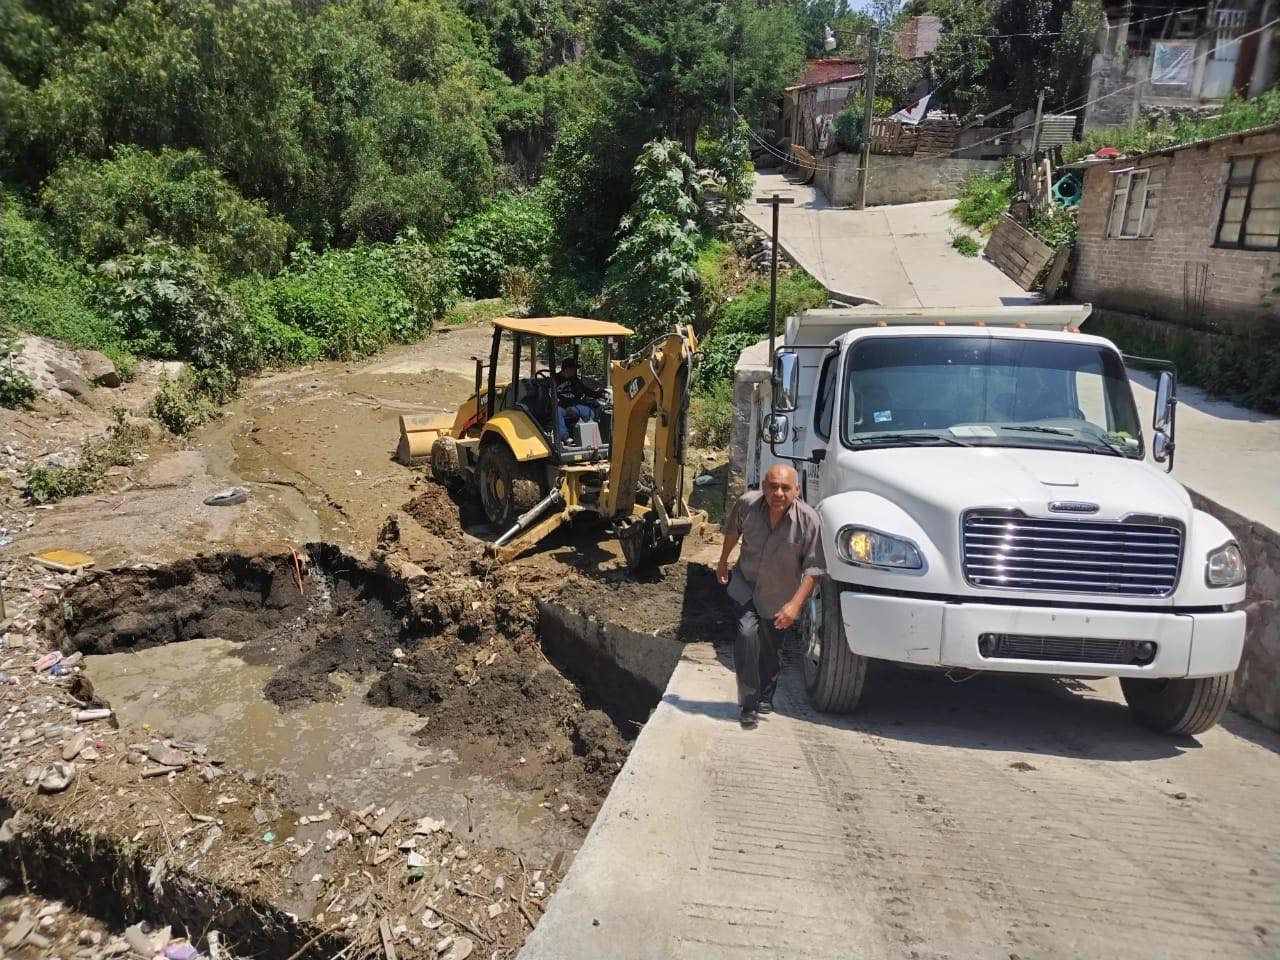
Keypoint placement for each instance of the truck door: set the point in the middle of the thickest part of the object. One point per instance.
(819, 432)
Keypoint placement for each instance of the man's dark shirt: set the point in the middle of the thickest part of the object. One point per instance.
(571, 390)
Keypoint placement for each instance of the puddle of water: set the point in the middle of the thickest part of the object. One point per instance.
(350, 751)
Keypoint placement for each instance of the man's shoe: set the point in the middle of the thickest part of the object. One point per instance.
(749, 720)
(765, 708)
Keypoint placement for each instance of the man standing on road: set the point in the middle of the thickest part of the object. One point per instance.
(779, 564)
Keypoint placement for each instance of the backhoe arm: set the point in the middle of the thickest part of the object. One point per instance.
(654, 382)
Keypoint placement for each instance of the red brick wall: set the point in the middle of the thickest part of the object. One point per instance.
(1155, 276)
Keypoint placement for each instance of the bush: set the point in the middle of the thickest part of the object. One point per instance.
(16, 389)
(167, 303)
(513, 231)
(106, 208)
(44, 293)
(848, 129)
(118, 447)
(964, 244)
(1056, 226)
(984, 199)
(711, 415)
(745, 320)
(180, 405)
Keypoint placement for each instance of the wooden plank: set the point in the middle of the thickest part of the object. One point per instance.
(1018, 252)
(1053, 280)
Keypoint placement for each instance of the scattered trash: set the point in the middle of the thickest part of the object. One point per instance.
(71, 659)
(227, 498)
(166, 755)
(88, 716)
(48, 660)
(180, 951)
(269, 837)
(64, 561)
(59, 670)
(57, 776)
(704, 480)
(428, 826)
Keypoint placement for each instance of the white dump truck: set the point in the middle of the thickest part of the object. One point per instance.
(988, 505)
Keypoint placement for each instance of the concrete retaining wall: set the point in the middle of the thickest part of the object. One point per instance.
(1257, 691)
(627, 670)
(897, 179)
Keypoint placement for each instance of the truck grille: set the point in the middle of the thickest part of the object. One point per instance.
(1008, 646)
(1131, 559)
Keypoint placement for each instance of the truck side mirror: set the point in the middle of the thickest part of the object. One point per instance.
(776, 428)
(786, 381)
(1162, 422)
(1166, 398)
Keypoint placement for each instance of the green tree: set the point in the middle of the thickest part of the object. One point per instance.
(107, 208)
(652, 273)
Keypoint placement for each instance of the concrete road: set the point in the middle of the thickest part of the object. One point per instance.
(898, 256)
(990, 818)
(1227, 453)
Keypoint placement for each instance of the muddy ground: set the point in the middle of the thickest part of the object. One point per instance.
(392, 607)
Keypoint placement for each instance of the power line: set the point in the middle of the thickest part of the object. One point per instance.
(1043, 33)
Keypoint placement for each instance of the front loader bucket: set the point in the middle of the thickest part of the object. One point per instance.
(417, 434)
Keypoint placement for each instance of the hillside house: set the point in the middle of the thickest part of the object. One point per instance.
(810, 106)
(1150, 63)
(1189, 234)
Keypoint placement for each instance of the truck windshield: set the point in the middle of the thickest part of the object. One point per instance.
(989, 391)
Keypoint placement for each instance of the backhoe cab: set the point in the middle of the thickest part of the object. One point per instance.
(507, 444)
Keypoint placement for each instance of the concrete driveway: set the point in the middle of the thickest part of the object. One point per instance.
(898, 256)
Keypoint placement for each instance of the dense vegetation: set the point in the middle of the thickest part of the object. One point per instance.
(270, 182)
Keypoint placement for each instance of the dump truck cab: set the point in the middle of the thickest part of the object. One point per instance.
(988, 504)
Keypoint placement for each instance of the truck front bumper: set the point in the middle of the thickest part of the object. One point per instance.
(947, 633)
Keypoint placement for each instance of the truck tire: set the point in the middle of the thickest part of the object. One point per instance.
(508, 487)
(833, 674)
(1183, 707)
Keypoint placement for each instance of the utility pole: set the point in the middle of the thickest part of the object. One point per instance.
(775, 201)
(868, 114)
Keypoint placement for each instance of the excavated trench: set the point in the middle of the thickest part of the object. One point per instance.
(468, 695)
(346, 682)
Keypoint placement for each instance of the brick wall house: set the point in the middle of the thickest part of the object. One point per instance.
(1190, 234)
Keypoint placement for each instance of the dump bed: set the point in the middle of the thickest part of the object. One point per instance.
(814, 327)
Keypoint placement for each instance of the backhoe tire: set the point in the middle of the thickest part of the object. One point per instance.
(1181, 707)
(833, 674)
(446, 464)
(508, 487)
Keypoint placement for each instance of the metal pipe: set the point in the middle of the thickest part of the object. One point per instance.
(525, 520)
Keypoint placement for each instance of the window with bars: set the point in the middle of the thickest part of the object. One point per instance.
(1134, 203)
(1251, 206)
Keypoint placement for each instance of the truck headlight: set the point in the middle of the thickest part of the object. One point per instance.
(871, 548)
(1225, 567)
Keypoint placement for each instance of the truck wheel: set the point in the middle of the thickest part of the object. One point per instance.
(508, 487)
(1184, 707)
(833, 674)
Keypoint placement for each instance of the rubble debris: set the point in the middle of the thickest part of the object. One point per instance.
(56, 777)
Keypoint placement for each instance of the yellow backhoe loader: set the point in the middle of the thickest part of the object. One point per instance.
(506, 443)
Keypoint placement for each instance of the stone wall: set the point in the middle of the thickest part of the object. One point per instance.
(1164, 275)
(897, 179)
(1257, 690)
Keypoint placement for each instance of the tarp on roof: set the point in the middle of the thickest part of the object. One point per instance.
(561, 327)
